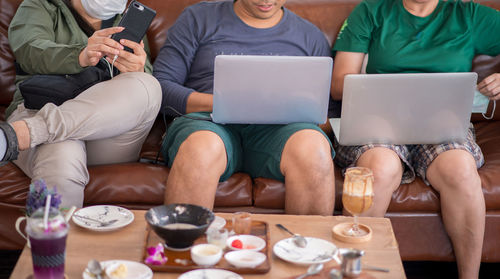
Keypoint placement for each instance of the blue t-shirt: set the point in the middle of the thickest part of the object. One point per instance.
(186, 60)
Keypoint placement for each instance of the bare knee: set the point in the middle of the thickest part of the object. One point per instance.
(456, 170)
(385, 164)
(308, 150)
(203, 149)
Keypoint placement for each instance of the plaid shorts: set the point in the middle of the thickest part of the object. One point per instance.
(415, 158)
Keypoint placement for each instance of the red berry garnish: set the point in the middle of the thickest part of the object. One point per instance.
(237, 244)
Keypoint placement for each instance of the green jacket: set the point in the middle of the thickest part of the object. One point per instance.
(46, 39)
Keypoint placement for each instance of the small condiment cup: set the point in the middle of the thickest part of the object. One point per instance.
(206, 254)
(242, 222)
(217, 237)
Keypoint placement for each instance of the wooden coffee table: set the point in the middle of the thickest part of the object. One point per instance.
(128, 244)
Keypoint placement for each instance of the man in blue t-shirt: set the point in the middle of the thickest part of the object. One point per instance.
(202, 153)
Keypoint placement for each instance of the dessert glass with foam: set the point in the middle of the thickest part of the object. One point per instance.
(357, 196)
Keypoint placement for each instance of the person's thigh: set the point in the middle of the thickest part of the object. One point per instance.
(263, 146)
(182, 127)
(142, 102)
(130, 101)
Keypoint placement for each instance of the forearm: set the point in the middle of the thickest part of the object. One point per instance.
(49, 58)
(345, 63)
(198, 101)
(175, 97)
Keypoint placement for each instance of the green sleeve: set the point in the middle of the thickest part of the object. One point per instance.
(355, 34)
(32, 39)
(486, 22)
(148, 67)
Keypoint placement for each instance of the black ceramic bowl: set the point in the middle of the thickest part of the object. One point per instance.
(165, 220)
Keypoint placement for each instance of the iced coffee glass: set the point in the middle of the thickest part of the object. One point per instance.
(48, 243)
(357, 196)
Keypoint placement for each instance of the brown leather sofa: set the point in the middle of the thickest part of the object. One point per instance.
(414, 209)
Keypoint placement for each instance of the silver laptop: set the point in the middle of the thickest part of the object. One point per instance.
(271, 89)
(406, 108)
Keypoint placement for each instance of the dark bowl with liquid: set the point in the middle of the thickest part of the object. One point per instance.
(179, 225)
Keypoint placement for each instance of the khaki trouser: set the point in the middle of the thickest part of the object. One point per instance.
(105, 124)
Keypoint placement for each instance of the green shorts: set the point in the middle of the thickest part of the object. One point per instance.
(253, 149)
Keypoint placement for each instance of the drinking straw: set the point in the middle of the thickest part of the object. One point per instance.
(69, 213)
(46, 214)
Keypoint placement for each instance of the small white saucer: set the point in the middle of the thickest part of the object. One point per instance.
(249, 242)
(135, 270)
(245, 259)
(103, 213)
(210, 273)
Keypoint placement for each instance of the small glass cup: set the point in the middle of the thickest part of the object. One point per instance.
(217, 237)
(242, 222)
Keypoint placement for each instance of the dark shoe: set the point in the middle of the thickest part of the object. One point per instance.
(12, 144)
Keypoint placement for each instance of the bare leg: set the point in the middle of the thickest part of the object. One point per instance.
(454, 175)
(195, 173)
(387, 172)
(307, 165)
(22, 133)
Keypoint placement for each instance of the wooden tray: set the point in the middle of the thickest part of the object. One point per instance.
(259, 228)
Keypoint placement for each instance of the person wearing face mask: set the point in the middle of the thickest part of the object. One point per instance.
(106, 123)
(298, 154)
(409, 36)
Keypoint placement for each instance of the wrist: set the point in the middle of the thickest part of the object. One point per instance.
(81, 59)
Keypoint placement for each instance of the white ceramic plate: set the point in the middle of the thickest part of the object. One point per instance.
(244, 258)
(317, 251)
(135, 270)
(217, 223)
(210, 274)
(103, 213)
(250, 242)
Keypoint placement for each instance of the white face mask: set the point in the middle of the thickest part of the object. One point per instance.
(104, 9)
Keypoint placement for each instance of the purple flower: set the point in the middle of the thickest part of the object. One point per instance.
(37, 195)
(156, 255)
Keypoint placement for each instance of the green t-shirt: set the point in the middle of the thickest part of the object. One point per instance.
(398, 42)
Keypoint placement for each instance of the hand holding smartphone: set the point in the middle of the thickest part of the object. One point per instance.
(136, 21)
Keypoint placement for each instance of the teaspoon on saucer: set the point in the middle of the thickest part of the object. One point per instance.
(298, 240)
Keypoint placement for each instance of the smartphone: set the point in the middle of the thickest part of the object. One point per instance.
(136, 21)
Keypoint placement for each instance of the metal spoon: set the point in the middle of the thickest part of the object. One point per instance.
(313, 269)
(94, 267)
(102, 223)
(298, 240)
(374, 268)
